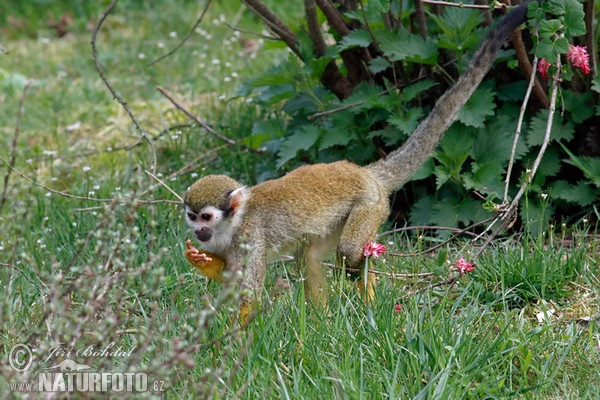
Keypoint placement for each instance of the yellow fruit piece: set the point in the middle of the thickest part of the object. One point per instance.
(207, 263)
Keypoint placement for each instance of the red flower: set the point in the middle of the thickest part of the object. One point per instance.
(398, 308)
(579, 58)
(542, 68)
(374, 249)
(464, 267)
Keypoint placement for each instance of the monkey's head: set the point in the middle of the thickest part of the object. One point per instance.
(213, 209)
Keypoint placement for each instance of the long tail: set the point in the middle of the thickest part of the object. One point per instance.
(397, 168)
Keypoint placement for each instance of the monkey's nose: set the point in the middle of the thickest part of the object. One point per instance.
(204, 234)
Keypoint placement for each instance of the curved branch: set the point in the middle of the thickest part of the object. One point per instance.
(274, 23)
(116, 96)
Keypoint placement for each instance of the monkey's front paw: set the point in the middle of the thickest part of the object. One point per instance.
(208, 264)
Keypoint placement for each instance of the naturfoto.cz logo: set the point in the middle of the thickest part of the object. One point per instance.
(71, 376)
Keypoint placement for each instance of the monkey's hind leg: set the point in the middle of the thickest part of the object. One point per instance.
(310, 257)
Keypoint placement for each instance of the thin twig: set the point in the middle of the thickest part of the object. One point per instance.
(73, 196)
(511, 209)
(513, 151)
(41, 283)
(392, 275)
(116, 96)
(190, 33)
(13, 150)
(3, 50)
(238, 29)
(204, 125)
(164, 185)
(463, 5)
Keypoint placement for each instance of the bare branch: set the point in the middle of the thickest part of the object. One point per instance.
(164, 185)
(463, 5)
(204, 125)
(116, 96)
(190, 33)
(274, 23)
(314, 31)
(333, 17)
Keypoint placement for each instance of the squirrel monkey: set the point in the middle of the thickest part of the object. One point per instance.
(326, 207)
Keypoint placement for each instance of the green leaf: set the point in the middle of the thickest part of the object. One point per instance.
(580, 105)
(478, 107)
(378, 64)
(335, 137)
(404, 45)
(596, 83)
(486, 178)
(581, 194)
(303, 139)
(547, 49)
(457, 25)
(494, 142)
(379, 6)
(421, 211)
(425, 171)
(549, 27)
(537, 129)
(356, 38)
(573, 15)
(590, 166)
(408, 121)
(410, 92)
(549, 166)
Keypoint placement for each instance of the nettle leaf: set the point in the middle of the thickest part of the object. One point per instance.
(356, 38)
(579, 105)
(303, 139)
(457, 25)
(493, 144)
(390, 137)
(408, 121)
(478, 107)
(335, 137)
(410, 92)
(513, 92)
(404, 45)
(379, 6)
(590, 166)
(378, 64)
(486, 178)
(549, 166)
(537, 129)
(421, 211)
(425, 171)
(582, 193)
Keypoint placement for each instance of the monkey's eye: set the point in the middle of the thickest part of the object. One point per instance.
(192, 216)
(206, 217)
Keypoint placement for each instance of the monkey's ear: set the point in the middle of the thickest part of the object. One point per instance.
(237, 199)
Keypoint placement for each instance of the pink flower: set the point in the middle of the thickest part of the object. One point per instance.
(398, 308)
(542, 68)
(374, 249)
(579, 58)
(464, 267)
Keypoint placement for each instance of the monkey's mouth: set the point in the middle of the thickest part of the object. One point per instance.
(204, 235)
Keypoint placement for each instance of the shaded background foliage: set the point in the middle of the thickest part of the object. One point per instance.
(362, 75)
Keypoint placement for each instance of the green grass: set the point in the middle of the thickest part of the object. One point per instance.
(79, 273)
